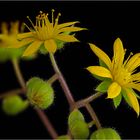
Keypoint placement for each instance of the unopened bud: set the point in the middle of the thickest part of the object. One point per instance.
(40, 93)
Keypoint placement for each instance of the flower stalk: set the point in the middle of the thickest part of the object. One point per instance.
(62, 81)
(40, 113)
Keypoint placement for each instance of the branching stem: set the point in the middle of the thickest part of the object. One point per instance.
(40, 113)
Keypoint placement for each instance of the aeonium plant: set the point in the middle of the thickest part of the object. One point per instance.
(118, 77)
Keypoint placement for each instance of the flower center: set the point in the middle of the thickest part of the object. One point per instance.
(44, 29)
(122, 76)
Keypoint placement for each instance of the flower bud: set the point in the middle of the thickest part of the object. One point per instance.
(12, 105)
(105, 133)
(40, 93)
(74, 116)
(66, 137)
(79, 130)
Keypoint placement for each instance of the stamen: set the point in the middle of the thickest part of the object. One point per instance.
(127, 59)
(31, 22)
(27, 27)
(53, 16)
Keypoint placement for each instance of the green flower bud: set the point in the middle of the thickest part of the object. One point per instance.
(105, 133)
(66, 137)
(13, 105)
(9, 53)
(75, 116)
(40, 93)
(80, 130)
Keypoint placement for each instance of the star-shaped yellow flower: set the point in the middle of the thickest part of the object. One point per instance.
(46, 32)
(122, 73)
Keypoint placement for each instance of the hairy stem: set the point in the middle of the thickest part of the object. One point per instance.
(52, 79)
(47, 123)
(93, 115)
(68, 94)
(40, 113)
(62, 81)
(18, 73)
(89, 99)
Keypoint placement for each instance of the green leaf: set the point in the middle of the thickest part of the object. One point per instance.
(117, 100)
(101, 63)
(80, 130)
(103, 86)
(74, 116)
(100, 78)
(13, 105)
(105, 134)
(123, 92)
(136, 94)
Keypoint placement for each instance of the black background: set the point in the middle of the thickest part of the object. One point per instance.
(106, 21)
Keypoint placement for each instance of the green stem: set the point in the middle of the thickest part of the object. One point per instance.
(52, 79)
(40, 113)
(47, 123)
(62, 81)
(18, 73)
(93, 115)
(12, 92)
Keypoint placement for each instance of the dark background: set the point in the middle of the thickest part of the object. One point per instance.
(106, 21)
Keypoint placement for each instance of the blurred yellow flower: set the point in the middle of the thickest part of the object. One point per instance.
(8, 36)
(46, 33)
(122, 73)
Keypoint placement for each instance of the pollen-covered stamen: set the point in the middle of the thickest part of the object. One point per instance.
(125, 62)
(57, 19)
(53, 16)
(31, 22)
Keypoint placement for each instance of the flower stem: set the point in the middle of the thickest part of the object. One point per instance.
(93, 115)
(62, 81)
(68, 94)
(18, 73)
(89, 99)
(52, 79)
(40, 113)
(9, 93)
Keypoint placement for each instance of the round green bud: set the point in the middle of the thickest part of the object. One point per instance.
(105, 133)
(80, 130)
(13, 105)
(75, 116)
(40, 93)
(66, 137)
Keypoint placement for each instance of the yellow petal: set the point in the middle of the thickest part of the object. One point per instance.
(66, 38)
(134, 86)
(32, 48)
(50, 45)
(22, 43)
(103, 56)
(25, 35)
(99, 71)
(114, 90)
(70, 29)
(133, 63)
(66, 24)
(135, 76)
(133, 100)
(118, 52)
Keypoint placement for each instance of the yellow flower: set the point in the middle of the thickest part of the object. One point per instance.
(8, 36)
(122, 73)
(46, 33)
